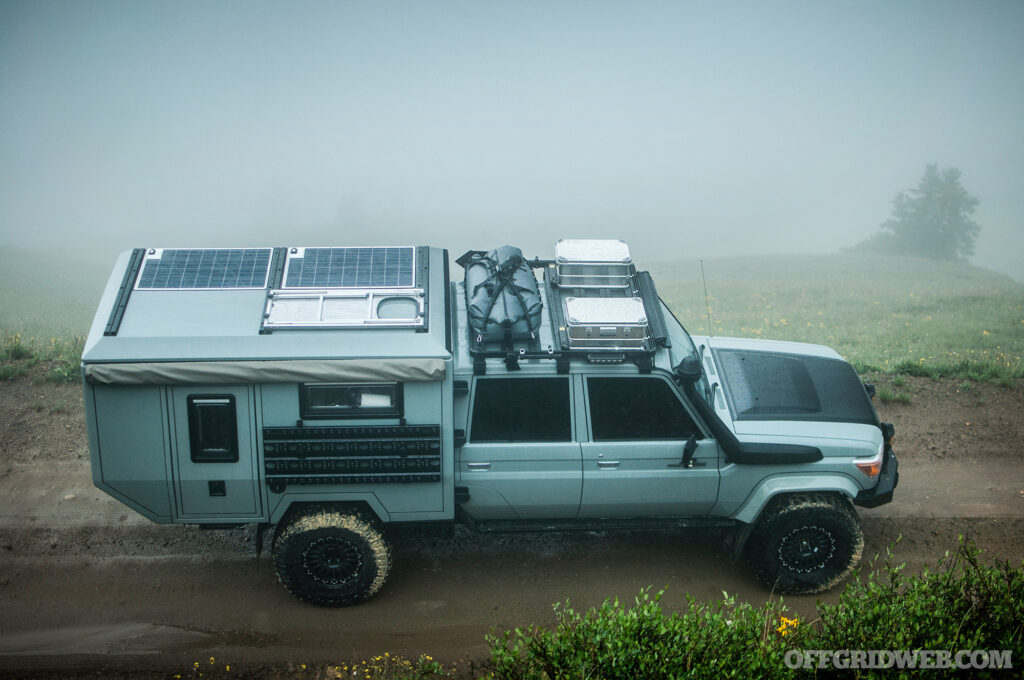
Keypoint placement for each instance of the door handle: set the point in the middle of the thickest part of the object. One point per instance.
(478, 466)
(608, 463)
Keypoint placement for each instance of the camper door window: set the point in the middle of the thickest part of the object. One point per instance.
(213, 428)
(347, 400)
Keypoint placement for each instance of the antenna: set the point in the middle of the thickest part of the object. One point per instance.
(707, 301)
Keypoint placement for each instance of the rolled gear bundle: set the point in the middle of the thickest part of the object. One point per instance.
(501, 296)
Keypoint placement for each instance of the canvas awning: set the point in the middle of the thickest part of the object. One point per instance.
(235, 372)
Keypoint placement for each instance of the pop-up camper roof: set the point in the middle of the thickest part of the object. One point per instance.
(271, 314)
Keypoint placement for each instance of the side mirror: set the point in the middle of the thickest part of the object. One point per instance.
(688, 371)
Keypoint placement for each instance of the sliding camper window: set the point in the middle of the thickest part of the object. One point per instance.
(213, 428)
(348, 400)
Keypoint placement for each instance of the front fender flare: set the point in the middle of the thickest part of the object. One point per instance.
(776, 485)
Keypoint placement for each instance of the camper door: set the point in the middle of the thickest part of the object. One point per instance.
(214, 431)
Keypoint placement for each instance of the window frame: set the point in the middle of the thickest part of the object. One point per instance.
(687, 409)
(567, 380)
(205, 454)
(307, 411)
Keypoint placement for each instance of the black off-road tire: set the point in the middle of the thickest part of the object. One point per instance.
(331, 558)
(805, 543)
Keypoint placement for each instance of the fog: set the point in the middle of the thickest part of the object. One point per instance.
(689, 129)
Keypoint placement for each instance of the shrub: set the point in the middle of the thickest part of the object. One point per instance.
(724, 640)
(962, 605)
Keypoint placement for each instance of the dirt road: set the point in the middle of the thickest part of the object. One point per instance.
(84, 582)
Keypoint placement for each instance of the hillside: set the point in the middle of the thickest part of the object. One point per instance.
(877, 312)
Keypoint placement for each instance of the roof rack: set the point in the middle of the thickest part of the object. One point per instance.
(600, 308)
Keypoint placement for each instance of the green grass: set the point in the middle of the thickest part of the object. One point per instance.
(884, 314)
(887, 396)
(56, 360)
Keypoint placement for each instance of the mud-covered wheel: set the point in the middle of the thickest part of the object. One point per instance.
(331, 558)
(805, 544)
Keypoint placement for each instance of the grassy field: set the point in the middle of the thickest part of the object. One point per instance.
(48, 305)
(46, 296)
(898, 315)
(883, 314)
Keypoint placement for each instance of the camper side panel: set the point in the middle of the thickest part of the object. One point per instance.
(399, 462)
(129, 445)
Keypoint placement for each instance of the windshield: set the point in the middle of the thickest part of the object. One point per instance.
(682, 347)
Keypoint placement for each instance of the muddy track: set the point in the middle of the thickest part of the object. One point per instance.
(85, 583)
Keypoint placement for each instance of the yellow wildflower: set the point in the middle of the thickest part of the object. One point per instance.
(786, 624)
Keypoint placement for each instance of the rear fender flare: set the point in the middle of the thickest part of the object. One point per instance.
(367, 502)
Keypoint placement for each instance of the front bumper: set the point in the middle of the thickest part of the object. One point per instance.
(887, 481)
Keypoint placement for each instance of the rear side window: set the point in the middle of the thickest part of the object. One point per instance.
(213, 428)
(521, 410)
(636, 408)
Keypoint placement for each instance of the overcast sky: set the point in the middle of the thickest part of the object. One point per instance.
(689, 129)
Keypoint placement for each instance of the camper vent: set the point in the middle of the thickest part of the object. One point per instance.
(204, 269)
(349, 288)
(349, 308)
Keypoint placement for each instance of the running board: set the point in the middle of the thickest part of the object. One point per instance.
(640, 523)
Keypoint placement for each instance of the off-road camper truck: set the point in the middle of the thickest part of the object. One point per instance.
(339, 392)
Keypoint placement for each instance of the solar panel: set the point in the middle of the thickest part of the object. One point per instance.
(204, 268)
(351, 268)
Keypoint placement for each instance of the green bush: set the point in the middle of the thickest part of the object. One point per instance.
(962, 605)
(724, 640)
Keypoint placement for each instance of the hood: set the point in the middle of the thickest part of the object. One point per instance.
(786, 381)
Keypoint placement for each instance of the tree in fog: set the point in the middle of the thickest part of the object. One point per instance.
(932, 220)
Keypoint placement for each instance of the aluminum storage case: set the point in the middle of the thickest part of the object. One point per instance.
(590, 263)
(606, 323)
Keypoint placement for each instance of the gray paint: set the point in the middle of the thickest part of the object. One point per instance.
(174, 344)
(131, 430)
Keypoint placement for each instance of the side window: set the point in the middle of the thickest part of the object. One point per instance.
(213, 428)
(521, 410)
(636, 408)
(347, 400)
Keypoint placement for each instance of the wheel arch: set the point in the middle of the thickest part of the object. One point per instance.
(367, 504)
(781, 485)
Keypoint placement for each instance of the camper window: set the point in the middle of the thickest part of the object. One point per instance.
(346, 400)
(213, 428)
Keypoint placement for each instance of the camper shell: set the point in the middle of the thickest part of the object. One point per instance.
(205, 400)
(339, 393)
